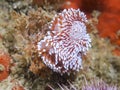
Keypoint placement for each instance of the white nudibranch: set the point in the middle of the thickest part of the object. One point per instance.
(68, 40)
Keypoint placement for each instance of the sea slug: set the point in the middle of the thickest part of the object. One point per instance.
(62, 49)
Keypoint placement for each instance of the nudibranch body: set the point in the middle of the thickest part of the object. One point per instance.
(62, 49)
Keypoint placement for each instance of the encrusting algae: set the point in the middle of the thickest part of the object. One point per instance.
(4, 65)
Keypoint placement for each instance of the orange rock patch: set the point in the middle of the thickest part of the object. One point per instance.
(5, 65)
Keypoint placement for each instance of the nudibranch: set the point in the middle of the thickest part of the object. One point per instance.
(62, 49)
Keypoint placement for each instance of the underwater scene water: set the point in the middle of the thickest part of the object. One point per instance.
(59, 45)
